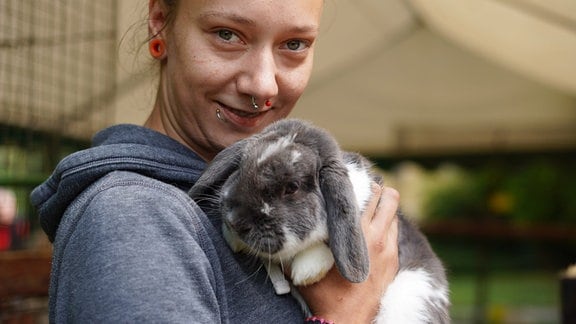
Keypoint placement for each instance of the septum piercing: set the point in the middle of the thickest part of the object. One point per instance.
(254, 104)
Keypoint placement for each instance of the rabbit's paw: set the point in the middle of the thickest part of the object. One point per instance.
(311, 265)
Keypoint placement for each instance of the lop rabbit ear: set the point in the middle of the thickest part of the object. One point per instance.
(346, 239)
(219, 169)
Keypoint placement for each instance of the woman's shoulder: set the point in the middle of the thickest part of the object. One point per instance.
(136, 241)
(135, 185)
(125, 190)
(125, 201)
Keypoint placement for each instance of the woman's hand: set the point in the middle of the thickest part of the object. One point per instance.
(338, 300)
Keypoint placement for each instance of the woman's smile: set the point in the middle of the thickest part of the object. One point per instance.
(242, 118)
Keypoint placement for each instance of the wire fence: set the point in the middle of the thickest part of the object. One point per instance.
(57, 63)
(57, 78)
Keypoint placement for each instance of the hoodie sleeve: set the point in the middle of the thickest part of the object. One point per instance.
(132, 249)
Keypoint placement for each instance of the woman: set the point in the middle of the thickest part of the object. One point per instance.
(129, 245)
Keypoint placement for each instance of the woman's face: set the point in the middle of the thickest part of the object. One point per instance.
(222, 52)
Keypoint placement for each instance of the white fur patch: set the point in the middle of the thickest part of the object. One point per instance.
(361, 182)
(312, 264)
(296, 156)
(406, 298)
(279, 145)
(294, 245)
(266, 209)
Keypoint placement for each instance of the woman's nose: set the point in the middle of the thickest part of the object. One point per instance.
(259, 76)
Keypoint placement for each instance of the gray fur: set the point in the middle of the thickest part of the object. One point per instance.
(322, 169)
(302, 193)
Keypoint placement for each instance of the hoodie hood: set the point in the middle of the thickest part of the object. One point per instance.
(118, 148)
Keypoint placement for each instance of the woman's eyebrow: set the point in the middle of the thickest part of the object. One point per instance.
(229, 16)
(247, 21)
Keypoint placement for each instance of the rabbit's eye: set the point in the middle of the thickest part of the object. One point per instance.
(291, 188)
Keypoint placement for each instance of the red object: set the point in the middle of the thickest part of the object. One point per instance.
(268, 103)
(157, 48)
(5, 237)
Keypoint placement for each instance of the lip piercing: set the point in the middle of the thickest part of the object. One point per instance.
(219, 115)
(254, 104)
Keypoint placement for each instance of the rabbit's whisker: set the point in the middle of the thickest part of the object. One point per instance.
(255, 272)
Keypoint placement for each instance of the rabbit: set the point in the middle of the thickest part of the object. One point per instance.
(291, 196)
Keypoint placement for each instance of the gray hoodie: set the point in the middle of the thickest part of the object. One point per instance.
(131, 246)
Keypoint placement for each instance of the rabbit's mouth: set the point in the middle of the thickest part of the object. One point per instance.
(262, 245)
(251, 240)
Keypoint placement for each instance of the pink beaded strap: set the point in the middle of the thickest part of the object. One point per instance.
(316, 320)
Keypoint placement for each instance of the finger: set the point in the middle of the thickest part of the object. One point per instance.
(392, 243)
(386, 210)
(392, 239)
(370, 210)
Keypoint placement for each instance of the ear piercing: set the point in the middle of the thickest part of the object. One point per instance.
(157, 48)
(255, 106)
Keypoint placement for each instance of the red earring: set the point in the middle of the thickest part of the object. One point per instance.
(268, 103)
(157, 48)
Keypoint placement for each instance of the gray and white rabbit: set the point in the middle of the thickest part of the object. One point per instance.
(291, 196)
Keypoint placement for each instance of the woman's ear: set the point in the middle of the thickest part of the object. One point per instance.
(157, 17)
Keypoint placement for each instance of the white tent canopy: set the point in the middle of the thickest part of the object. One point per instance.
(446, 75)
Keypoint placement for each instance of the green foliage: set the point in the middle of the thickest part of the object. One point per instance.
(567, 194)
(458, 195)
(535, 191)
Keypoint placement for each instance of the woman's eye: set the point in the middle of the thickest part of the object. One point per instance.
(296, 45)
(226, 35)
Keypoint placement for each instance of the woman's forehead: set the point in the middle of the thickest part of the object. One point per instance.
(302, 14)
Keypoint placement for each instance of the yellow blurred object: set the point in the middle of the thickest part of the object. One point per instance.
(497, 314)
(500, 203)
(570, 272)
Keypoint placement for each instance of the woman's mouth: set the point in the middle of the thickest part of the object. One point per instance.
(240, 117)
